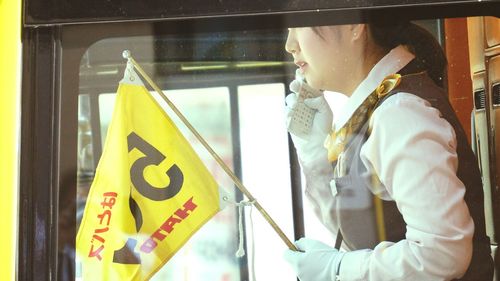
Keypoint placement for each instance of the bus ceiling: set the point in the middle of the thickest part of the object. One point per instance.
(291, 12)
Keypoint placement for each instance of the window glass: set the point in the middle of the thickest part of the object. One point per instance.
(220, 97)
(232, 88)
(265, 163)
(212, 250)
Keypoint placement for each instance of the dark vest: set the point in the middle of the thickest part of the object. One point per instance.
(359, 213)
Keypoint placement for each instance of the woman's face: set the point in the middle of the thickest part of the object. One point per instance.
(324, 55)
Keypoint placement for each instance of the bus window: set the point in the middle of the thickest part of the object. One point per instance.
(232, 87)
(230, 99)
(265, 165)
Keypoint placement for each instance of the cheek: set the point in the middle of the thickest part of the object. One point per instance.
(334, 74)
(330, 68)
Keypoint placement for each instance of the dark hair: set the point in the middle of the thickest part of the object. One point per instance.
(429, 54)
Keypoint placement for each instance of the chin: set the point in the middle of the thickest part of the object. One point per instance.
(314, 84)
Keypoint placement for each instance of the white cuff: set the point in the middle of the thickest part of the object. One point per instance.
(354, 265)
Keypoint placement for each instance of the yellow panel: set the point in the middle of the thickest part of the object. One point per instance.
(476, 44)
(481, 130)
(478, 80)
(492, 31)
(494, 79)
(494, 70)
(10, 54)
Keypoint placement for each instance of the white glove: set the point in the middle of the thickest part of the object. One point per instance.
(311, 148)
(317, 262)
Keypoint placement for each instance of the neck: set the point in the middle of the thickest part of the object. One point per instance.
(373, 55)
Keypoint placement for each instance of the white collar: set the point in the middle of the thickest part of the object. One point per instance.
(391, 63)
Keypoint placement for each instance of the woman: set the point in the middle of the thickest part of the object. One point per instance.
(395, 179)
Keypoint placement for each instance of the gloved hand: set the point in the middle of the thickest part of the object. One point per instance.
(312, 147)
(318, 262)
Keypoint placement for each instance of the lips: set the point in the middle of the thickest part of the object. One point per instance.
(302, 65)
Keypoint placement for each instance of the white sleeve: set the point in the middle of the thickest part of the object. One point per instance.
(413, 152)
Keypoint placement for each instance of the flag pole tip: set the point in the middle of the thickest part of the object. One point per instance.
(126, 54)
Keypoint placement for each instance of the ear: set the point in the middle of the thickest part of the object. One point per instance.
(358, 31)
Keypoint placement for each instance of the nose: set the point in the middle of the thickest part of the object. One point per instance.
(291, 45)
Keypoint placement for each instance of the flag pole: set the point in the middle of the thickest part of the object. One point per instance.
(234, 178)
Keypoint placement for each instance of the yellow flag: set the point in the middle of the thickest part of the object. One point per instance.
(150, 193)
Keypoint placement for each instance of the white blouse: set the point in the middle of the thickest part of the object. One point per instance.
(413, 152)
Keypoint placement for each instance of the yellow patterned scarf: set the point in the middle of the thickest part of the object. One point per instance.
(336, 141)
